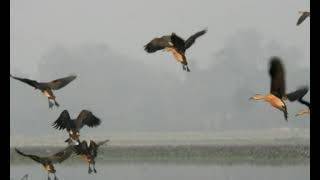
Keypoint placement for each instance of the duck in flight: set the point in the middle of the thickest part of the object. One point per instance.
(277, 94)
(89, 152)
(73, 126)
(174, 44)
(47, 162)
(304, 15)
(47, 87)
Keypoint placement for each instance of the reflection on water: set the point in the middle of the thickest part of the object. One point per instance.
(205, 162)
(161, 171)
(218, 154)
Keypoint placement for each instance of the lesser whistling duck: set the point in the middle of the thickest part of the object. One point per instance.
(47, 87)
(47, 162)
(73, 126)
(89, 152)
(277, 92)
(174, 44)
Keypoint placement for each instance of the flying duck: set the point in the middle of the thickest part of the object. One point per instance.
(47, 162)
(73, 126)
(277, 94)
(174, 44)
(47, 87)
(89, 152)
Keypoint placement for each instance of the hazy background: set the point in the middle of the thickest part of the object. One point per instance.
(132, 91)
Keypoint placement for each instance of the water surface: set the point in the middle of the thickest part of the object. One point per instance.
(161, 171)
(187, 162)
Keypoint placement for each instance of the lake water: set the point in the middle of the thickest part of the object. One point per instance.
(161, 171)
(214, 162)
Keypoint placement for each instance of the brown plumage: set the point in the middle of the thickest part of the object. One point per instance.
(278, 94)
(47, 162)
(89, 152)
(47, 87)
(174, 44)
(73, 126)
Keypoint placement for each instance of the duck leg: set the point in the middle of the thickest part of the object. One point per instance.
(56, 103)
(187, 68)
(55, 177)
(285, 112)
(89, 170)
(50, 103)
(49, 176)
(94, 167)
(183, 67)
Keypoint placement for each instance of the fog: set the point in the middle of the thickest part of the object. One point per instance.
(132, 91)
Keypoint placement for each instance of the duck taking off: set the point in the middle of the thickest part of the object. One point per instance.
(89, 152)
(174, 44)
(47, 162)
(73, 126)
(47, 87)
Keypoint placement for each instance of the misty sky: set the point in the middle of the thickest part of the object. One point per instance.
(130, 90)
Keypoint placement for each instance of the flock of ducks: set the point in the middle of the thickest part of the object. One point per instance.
(277, 94)
(169, 43)
(88, 151)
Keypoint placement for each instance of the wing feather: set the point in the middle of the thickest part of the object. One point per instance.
(277, 75)
(304, 102)
(87, 118)
(30, 82)
(60, 83)
(64, 121)
(303, 17)
(158, 44)
(62, 155)
(33, 157)
(190, 41)
(102, 142)
(299, 93)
